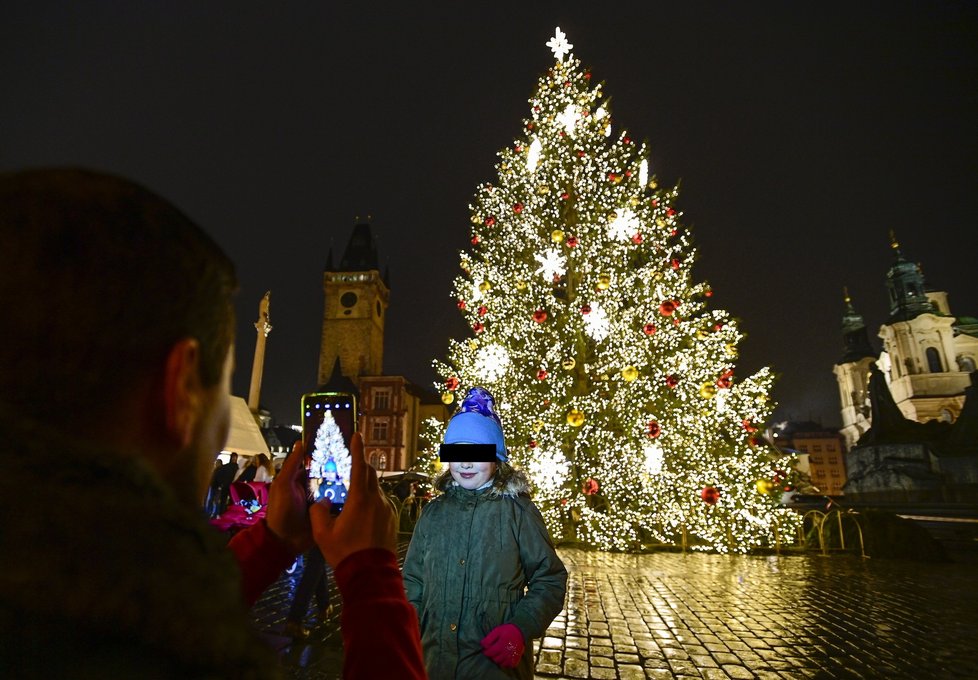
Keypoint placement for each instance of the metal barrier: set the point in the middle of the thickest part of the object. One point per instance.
(818, 520)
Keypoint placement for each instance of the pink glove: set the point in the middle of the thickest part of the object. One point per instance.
(504, 645)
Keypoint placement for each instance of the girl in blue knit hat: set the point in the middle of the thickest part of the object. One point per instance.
(481, 569)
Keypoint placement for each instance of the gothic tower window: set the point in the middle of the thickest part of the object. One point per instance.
(934, 360)
(966, 364)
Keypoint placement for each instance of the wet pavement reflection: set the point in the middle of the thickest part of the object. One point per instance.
(674, 615)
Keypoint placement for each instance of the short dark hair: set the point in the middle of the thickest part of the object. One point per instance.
(101, 277)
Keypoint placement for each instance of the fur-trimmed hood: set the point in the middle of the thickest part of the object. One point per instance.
(508, 481)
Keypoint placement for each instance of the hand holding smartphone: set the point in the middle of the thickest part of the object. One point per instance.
(329, 420)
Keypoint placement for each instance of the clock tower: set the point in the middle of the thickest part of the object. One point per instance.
(356, 299)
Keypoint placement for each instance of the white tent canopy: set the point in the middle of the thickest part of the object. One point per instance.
(244, 436)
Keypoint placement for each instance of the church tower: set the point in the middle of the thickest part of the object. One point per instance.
(852, 375)
(356, 299)
(920, 352)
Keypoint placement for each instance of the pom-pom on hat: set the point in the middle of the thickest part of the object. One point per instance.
(476, 422)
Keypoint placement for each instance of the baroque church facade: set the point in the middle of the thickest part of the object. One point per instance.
(927, 356)
(351, 355)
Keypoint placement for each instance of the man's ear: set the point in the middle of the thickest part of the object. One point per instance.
(182, 391)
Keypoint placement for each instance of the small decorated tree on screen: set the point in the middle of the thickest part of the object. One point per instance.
(615, 380)
(329, 444)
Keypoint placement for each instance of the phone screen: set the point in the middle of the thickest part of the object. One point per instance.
(329, 420)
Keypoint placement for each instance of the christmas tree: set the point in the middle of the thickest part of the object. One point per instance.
(329, 444)
(615, 380)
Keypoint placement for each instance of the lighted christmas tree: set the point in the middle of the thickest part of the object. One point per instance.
(328, 445)
(615, 380)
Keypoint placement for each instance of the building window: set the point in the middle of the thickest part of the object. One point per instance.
(834, 472)
(966, 364)
(946, 416)
(934, 360)
(382, 399)
(378, 432)
(382, 465)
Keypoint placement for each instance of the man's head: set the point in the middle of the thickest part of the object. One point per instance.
(233, 457)
(116, 303)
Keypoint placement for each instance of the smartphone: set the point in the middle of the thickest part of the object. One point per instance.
(329, 420)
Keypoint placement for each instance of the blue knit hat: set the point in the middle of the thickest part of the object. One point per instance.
(476, 422)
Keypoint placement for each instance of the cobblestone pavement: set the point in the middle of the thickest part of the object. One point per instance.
(673, 615)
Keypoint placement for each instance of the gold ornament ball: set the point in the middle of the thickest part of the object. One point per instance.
(659, 222)
(633, 201)
(557, 236)
(629, 373)
(485, 286)
(521, 285)
(701, 334)
(575, 418)
(543, 190)
(731, 350)
(612, 216)
(537, 426)
(604, 281)
(568, 363)
(447, 398)
(764, 486)
(658, 276)
(708, 390)
(476, 219)
(473, 344)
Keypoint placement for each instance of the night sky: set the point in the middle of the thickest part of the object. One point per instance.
(801, 136)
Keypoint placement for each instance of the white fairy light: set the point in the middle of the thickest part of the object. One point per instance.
(548, 469)
(643, 172)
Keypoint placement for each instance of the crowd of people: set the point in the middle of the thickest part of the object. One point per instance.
(117, 364)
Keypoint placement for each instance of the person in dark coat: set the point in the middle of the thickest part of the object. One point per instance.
(114, 401)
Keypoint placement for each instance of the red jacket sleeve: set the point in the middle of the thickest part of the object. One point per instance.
(381, 638)
(261, 556)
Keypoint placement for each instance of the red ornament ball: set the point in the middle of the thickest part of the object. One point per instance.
(667, 307)
(518, 208)
(541, 374)
(590, 487)
(708, 293)
(580, 153)
(670, 212)
(564, 196)
(672, 381)
(654, 429)
(586, 309)
(460, 304)
(571, 242)
(490, 221)
(475, 239)
(452, 383)
(674, 264)
(627, 140)
(710, 495)
(532, 444)
(540, 316)
(648, 329)
(483, 310)
(612, 177)
(478, 327)
(636, 239)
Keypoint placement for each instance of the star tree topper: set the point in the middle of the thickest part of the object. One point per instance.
(559, 45)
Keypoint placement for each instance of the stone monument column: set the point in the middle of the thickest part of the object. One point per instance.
(264, 328)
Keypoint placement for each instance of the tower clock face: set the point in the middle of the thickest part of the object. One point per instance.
(348, 299)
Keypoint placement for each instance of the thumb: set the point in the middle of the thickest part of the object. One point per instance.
(321, 518)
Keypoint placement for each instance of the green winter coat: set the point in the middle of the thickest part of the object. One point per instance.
(479, 559)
